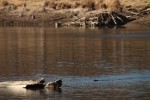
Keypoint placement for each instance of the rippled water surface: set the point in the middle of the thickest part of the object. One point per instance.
(94, 64)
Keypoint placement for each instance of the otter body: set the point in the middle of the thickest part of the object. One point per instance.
(41, 85)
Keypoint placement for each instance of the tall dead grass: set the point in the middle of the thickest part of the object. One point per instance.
(57, 5)
(4, 3)
(112, 5)
(90, 4)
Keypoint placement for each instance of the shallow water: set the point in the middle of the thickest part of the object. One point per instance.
(94, 64)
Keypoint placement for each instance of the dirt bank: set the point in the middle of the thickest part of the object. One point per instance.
(143, 21)
(45, 13)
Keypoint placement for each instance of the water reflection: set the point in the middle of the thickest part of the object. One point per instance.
(43, 50)
(117, 58)
(22, 93)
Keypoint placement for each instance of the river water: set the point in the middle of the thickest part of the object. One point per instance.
(94, 64)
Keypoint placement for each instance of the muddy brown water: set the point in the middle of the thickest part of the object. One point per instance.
(94, 64)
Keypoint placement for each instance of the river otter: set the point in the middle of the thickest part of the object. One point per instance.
(55, 85)
(40, 84)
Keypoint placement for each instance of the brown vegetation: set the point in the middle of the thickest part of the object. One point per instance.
(64, 4)
(90, 4)
(5, 3)
(46, 3)
(112, 5)
(54, 10)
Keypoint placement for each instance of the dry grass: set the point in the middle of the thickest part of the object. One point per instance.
(135, 3)
(66, 4)
(5, 3)
(90, 4)
(16, 2)
(113, 5)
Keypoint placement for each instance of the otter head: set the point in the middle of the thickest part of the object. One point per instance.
(42, 81)
(55, 85)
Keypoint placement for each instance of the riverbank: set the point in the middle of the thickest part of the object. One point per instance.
(143, 22)
(47, 13)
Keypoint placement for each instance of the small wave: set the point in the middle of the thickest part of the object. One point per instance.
(118, 79)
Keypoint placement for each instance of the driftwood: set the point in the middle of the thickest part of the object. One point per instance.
(137, 13)
(101, 19)
(108, 18)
